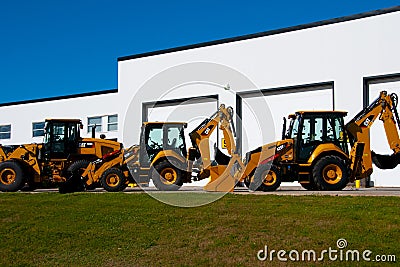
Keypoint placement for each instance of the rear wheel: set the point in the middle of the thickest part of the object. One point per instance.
(167, 176)
(269, 176)
(113, 180)
(74, 182)
(331, 173)
(11, 176)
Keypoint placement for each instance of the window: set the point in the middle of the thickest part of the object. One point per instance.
(295, 127)
(5, 131)
(112, 123)
(103, 123)
(38, 129)
(175, 140)
(58, 142)
(94, 121)
(155, 140)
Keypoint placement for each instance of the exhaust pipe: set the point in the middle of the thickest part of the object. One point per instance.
(385, 161)
(94, 131)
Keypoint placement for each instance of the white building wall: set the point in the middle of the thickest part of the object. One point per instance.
(21, 116)
(343, 52)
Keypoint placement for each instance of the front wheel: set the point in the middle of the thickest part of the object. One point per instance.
(11, 176)
(113, 180)
(270, 177)
(331, 173)
(167, 176)
(74, 182)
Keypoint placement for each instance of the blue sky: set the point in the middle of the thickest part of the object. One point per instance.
(55, 48)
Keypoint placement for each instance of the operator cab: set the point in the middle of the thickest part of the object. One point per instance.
(308, 129)
(61, 138)
(160, 136)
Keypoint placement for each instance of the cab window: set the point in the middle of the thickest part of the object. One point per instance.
(155, 140)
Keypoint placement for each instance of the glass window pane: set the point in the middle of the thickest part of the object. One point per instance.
(295, 128)
(38, 129)
(94, 121)
(306, 131)
(5, 128)
(5, 131)
(98, 128)
(113, 127)
(38, 125)
(174, 138)
(113, 119)
(155, 138)
(37, 133)
(318, 129)
(112, 123)
(5, 135)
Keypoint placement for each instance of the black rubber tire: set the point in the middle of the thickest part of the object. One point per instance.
(338, 170)
(309, 186)
(74, 182)
(261, 173)
(120, 184)
(163, 168)
(14, 171)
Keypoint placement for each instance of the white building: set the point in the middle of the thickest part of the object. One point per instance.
(339, 64)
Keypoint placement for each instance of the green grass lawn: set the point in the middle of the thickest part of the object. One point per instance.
(89, 229)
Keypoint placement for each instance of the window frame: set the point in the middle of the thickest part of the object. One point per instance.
(39, 129)
(112, 123)
(99, 127)
(5, 132)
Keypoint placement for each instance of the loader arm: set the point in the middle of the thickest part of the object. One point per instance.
(384, 108)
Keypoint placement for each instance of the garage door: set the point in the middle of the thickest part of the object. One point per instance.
(281, 103)
(378, 137)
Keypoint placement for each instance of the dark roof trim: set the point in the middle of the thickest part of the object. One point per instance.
(266, 33)
(171, 102)
(288, 89)
(111, 91)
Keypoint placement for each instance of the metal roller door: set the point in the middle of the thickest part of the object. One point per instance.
(379, 142)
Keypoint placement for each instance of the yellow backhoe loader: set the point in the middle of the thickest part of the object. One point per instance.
(62, 154)
(162, 156)
(314, 150)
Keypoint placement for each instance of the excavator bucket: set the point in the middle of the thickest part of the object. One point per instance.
(385, 161)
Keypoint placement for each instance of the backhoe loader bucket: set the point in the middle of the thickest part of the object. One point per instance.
(385, 161)
(224, 178)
